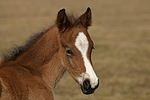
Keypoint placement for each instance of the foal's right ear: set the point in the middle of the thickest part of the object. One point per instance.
(62, 20)
(86, 18)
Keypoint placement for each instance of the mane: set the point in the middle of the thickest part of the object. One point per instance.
(19, 50)
(72, 18)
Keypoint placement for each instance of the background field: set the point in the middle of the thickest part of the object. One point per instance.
(121, 32)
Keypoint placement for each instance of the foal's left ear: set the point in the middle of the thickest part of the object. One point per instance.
(86, 18)
(62, 20)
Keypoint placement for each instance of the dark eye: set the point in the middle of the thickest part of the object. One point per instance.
(69, 51)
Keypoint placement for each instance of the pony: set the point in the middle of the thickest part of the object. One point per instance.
(31, 71)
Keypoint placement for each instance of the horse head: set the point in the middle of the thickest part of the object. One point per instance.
(76, 48)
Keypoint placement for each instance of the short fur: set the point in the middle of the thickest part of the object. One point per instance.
(32, 70)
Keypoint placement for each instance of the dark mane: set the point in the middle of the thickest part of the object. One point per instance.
(18, 50)
(72, 18)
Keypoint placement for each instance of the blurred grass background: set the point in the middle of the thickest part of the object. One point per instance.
(121, 32)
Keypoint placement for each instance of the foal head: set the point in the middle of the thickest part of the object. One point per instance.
(75, 49)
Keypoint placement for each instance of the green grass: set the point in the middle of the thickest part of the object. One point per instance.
(120, 31)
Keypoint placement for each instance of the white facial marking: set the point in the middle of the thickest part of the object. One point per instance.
(82, 44)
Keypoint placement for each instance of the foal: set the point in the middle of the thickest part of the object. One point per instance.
(32, 71)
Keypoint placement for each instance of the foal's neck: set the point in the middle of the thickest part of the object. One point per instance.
(43, 58)
(53, 71)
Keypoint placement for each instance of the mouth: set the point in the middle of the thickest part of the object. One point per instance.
(86, 87)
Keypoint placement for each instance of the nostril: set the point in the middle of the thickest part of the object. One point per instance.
(86, 84)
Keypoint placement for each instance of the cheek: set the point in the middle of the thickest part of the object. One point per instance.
(79, 65)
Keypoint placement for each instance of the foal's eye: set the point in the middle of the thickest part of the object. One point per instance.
(69, 52)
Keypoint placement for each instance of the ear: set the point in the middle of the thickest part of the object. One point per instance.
(86, 18)
(62, 20)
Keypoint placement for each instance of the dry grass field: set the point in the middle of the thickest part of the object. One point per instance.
(120, 31)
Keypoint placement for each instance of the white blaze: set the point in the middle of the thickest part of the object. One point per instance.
(82, 45)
